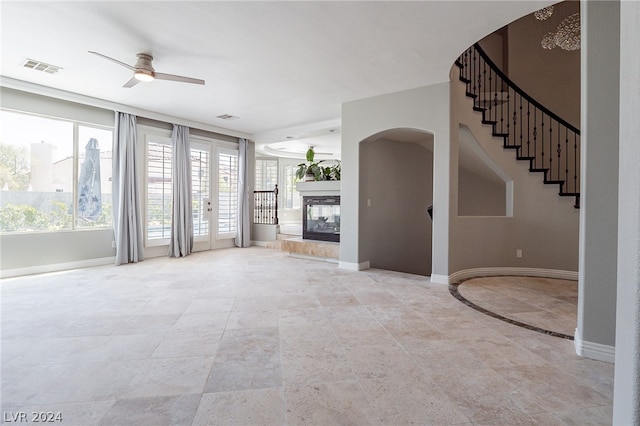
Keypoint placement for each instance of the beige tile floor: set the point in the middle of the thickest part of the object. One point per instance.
(545, 303)
(252, 336)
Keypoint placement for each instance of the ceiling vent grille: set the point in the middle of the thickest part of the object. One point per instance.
(41, 66)
(227, 117)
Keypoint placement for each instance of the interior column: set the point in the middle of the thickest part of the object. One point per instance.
(600, 68)
(626, 402)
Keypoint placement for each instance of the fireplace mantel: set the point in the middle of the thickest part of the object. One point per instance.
(318, 188)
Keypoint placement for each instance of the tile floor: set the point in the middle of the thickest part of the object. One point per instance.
(252, 336)
(544, 303)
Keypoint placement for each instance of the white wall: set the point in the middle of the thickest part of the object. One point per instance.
(424, 109)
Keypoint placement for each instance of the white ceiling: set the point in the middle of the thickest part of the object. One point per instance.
(283, 68)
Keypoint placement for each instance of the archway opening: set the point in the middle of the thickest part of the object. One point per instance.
(396, 192)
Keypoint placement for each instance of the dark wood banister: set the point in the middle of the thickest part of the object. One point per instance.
(521, 92)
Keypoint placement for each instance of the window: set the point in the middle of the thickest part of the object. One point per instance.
(159, 183)
(200, 189)
(227, 193)
(291, 195)
(40, 159)
(94, 177)
(266, 175)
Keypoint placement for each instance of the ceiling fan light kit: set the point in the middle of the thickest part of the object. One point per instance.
(144, 75)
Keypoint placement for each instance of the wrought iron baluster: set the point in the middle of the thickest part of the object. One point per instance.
(559, 149)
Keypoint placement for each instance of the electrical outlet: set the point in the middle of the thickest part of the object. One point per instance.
(113, 244)
(368, 202)
(519, 253)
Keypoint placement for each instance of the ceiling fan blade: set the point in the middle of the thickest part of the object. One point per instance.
(114, 60)
(131, 82)
(172, 77)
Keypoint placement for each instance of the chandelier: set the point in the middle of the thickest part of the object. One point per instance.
(567, 33)
(544, 13)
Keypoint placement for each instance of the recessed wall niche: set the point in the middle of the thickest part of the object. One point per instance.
(484, 189)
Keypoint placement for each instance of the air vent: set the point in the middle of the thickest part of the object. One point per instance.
(228, 117)
(41, 66)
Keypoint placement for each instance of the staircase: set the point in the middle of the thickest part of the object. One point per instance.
(550, 144)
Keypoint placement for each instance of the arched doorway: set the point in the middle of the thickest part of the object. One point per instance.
(396, 190)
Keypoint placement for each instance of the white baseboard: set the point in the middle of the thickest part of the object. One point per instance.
(466, 274)
(55, 267)
(593, 350)
(440, 279)
(354, 266)
(259, 243)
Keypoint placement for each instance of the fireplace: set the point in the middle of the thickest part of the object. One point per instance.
(321, 218)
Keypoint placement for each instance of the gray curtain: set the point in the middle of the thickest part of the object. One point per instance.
(127, 223)
(243, 236)
(181, 242)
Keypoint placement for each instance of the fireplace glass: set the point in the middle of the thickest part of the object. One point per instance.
(321, 218)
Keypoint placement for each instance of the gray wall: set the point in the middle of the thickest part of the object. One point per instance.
(599, 178)
(21, 252)
(41, 251)
(626, 402)
(543, 225)
(424, 109)
(397, 178)
(479, 196)
(551, 76)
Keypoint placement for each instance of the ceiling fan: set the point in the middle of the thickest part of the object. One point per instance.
(143, 71)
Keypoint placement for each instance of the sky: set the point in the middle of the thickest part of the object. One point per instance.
(23, 130)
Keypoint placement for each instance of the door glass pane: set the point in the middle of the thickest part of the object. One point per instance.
(200, 190)
(159, 180)
(227, 193)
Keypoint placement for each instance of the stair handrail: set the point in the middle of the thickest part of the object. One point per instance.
(266, 207)
(546, 148)
(521, 92)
